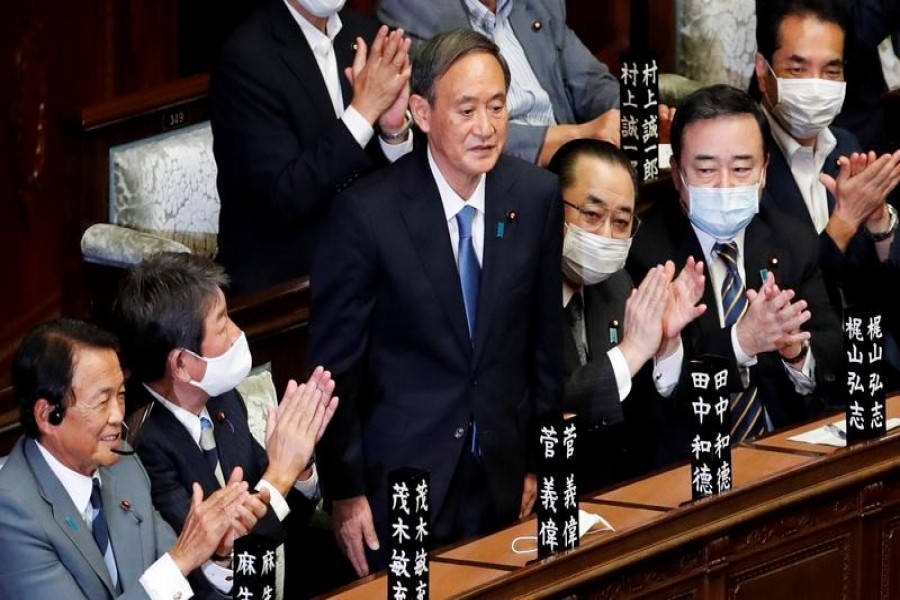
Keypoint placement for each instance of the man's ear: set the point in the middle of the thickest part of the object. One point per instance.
(762, 73)
(42, 409)
(177, 365)
(421, 112)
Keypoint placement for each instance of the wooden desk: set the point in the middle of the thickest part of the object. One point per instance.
(802, 522)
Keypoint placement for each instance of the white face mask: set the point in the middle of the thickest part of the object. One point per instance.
(226, 371)
(586, 523)
(589, 258)
(723, 212)
(807, 106)
(322, 8)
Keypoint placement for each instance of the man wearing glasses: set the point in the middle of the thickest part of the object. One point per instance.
(614, 330)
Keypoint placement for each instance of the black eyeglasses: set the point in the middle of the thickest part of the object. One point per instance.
(623, 224)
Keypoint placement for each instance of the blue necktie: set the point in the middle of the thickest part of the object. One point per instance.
(746, 410)
(469, 269)
(470, 280)
(100, 531)
(208, 445)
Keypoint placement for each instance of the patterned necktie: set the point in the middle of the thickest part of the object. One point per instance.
(100, 531)
(208, 445)
(746, 410)
(469, 269)
(575, 317)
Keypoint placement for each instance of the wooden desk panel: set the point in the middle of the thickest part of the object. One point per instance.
(496, 549)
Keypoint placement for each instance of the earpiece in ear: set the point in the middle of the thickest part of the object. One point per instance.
(55, 417)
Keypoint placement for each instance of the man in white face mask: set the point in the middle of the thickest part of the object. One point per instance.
(818, 173)
(772, 320)
(614, 330)
(186, 357)
(306, 97)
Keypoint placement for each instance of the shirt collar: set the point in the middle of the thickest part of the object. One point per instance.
(77, 485)
(707, 242)
(825, 141)
(318, 41)
(485, 20)
(190, 421)
(452, 201)
(569, 291)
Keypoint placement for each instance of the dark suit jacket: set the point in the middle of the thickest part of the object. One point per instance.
(389, 321)
(667, 234)
(613, 444)
(47, 549)
(580, 86)
(174, 461)
(281, 153)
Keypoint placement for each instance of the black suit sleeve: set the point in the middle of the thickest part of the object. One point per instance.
(593, 394)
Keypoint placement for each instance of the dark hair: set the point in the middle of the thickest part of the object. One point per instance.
(564, 161)
(161, 306)
(768, 21)
(44, 365)
(442, 52)
(711, 102)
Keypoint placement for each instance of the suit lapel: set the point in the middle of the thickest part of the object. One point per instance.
(759, 249)
(498, 202)
(423, 215)
(124, 532)
(67, 517)
(782, 187)
(300, 60)
(344, 51)
(174, 433)
(225, 435)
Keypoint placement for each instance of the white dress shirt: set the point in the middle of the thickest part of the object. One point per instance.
(323, 49)
(806, 164)
(527, 101)
(162, 580)
(453, 203)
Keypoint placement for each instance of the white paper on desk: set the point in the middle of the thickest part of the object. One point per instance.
(822, 435)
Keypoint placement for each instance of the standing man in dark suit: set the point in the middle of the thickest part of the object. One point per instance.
(816, 172)
(559, 90)
(436, 305)
(773, 321)
(614, 330)
(76, 520)
(187, 357)
(291, 130)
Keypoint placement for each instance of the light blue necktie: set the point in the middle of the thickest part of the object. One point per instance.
(470, 280)
(469, 269)
(208, 445)
(746, 410)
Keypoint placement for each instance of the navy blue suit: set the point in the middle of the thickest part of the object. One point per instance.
(389, 321)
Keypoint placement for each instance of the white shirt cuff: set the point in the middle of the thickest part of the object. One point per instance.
(804, 379)
(743, 359)
(164, 581)
(666, 371)
(394, 151)
(220, 577)
(621, 371)
(276, 501)
(359, 128)
(310, 487)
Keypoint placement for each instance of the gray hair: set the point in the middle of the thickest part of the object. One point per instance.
(442, 52)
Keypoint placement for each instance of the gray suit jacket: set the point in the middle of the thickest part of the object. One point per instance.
(580, 86)
(48, 550)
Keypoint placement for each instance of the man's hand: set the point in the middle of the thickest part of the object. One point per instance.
(643, 326)
(681, 303)
(256, 507)
(859, 191)
(353, 525)
(210, 520)
(529, 494)
(380, 77)
(293, 428)
(607, 126)
(772, 320)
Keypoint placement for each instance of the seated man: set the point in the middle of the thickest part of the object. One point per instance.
(764, 278)
(76, 520)
(815, 173)
(559, 90)
(186, 356)
(290, 130)
(614, 330)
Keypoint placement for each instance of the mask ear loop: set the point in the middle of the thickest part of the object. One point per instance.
(520, 539)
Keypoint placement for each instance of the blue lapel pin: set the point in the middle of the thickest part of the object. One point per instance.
(501, 226)
(71, 523)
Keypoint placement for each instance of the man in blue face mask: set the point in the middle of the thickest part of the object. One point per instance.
(614, 330)
(772, 319)
(186, 357)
